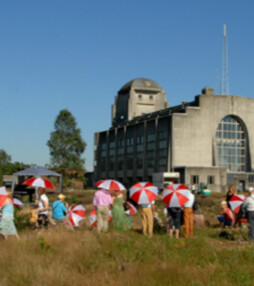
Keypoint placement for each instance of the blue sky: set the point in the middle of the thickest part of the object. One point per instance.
(61, 54)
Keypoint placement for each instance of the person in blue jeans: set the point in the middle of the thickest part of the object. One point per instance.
(59, 211)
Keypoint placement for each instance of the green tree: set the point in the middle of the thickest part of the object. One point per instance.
(5, 159)
(7, 167)
(67, 146)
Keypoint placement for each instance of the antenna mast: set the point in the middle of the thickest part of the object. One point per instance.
(225, 83)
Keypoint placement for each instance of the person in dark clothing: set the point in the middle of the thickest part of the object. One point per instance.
(230, 194)
(174, 214)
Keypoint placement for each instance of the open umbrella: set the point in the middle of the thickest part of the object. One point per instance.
(93, 219)
(3, 195)
(236, 202)
(143, 193)
(110, 185)
(175, 195)
(132, 210)
(76, 214)
(39, 182)
(17, 203)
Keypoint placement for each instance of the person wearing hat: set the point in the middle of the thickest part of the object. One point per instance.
(226, 217)
(59, 210)
(248, 205)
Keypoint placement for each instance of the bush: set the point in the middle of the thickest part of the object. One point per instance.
(21, 220)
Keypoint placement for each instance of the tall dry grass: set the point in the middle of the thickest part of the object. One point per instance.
(62, 257)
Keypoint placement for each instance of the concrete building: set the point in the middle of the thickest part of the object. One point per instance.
(209, 140)
(137, 97)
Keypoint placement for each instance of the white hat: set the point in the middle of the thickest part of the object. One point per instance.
(251, 189)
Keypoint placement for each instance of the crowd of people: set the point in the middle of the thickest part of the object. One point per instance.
(104, 200)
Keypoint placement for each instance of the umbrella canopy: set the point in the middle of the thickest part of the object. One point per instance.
(236, 202)
(36, 171)
(110, 185)
(143, 193)
(3, 195)
(76, 214)
(39, 182)
(132, 210)
(175, 195)
(17, 203)
(93, 219)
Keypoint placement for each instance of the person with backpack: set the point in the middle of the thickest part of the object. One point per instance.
(248, 205)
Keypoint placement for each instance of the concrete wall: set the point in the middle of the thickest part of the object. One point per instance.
(220, 176)
(194, 132)
(137, 102)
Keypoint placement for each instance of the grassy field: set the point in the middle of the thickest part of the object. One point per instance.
(62, 257)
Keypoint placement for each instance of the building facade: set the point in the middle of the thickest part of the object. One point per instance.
(209, 140)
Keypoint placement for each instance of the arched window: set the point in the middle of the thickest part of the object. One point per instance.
(231, 145)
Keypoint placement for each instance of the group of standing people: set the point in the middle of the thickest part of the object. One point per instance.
(175, 215)
(103, 200)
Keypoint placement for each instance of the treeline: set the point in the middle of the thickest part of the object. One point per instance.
(7, 167)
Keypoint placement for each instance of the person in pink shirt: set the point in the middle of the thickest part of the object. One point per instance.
(101, 201)
(226, 216)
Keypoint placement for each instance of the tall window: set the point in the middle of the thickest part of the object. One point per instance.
(231, 145)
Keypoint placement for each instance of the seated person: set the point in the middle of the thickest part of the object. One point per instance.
(226, 217)
(59, 211)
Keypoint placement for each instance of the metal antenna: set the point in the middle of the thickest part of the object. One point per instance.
(225, 81)
(218, 81)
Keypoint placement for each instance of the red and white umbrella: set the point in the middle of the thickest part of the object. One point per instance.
(76, 214)
(110, 185)
(175, 195)
(236, 201)
(39, 183)
(17, 203)
(3, 195)
(93, 218)
(132, 210)
(143, 193)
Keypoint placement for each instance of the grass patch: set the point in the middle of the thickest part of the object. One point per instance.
(62, 257)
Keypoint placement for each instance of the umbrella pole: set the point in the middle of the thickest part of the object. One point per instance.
(36, 193)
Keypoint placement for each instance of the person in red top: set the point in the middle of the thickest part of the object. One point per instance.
(226, 216)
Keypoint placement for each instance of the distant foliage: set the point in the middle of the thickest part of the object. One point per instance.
(7, 167)
(67, 146)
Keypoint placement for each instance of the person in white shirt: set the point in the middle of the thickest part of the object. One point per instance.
(188, 216)
(43, 205)
(248, 204)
